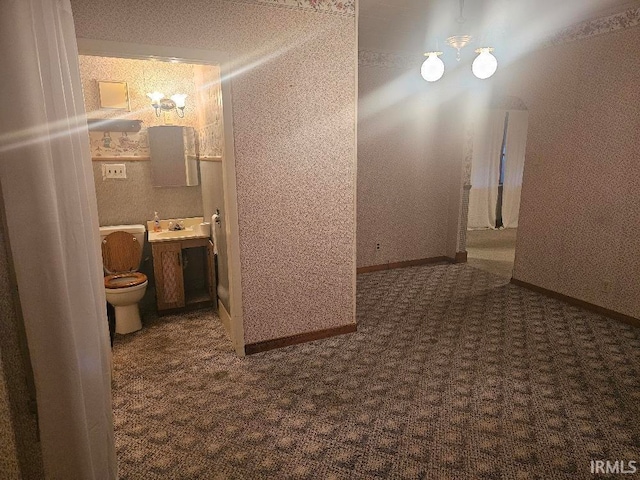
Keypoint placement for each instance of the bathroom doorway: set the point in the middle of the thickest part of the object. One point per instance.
(209, 88)
(497, 166)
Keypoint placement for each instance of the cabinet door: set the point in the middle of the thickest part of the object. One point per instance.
(211, 275)
(167, 268)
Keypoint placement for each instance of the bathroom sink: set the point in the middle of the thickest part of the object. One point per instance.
(192, 230)
(167, 235)
(187, 232)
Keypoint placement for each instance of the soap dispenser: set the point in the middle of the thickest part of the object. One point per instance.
(156, 223)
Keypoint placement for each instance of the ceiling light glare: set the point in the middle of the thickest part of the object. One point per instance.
(432, 68)
(485, 64)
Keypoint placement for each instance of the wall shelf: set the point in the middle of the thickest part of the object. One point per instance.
(113, 125)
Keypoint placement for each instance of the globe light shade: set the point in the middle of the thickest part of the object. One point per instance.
(485, 64)
(155, 97)
(179, 99)
(432, 68)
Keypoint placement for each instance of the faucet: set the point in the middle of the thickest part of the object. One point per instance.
(177, 225)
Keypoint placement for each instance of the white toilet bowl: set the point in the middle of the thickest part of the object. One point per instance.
(125, 301)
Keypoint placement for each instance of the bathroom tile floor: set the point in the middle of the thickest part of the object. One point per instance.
(453, 373)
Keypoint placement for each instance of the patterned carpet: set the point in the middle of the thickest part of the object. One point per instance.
(452, 374)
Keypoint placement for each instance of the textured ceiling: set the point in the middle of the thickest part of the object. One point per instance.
(414, 25)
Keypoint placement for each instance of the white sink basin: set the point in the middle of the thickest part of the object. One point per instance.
(187, 232)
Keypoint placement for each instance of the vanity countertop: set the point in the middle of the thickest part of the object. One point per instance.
(172, 236)
(190, 232)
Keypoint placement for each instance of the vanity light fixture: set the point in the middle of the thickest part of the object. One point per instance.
(162, 104)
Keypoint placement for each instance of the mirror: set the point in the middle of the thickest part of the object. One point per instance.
(114, 95)
(174, 161)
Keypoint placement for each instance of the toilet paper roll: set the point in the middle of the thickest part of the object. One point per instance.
(204, 228)
(215, 222)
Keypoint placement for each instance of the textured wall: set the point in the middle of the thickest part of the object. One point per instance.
(133, 200)
(209, 109)
(142, 77)
(579, 230)
(403, 177)
(20, 454)
(203, 111)
(9, 464)
(294, 126)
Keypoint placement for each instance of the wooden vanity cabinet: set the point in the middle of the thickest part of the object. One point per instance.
(167, 270)
(169, 276)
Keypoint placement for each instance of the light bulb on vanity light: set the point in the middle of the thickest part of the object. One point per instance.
(156, 101)
(433, 68)
(155, 97)
(485, 64)
(179, 100)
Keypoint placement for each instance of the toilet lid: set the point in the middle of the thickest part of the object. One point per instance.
(124, 280)
(121, 252)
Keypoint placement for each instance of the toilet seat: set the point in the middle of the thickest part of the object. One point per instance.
(124, 280)
(121, 253)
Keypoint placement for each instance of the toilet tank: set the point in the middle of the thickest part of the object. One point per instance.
(135, 230)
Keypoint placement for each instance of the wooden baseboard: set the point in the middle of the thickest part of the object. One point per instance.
(461, 257)
(187, 308)
(408, 263)
(258, 347)
(579, 303)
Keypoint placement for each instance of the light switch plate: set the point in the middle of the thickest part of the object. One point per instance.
(114, 170)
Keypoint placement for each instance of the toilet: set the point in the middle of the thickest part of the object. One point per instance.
(124, 286)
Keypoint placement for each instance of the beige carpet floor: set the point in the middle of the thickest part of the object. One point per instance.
(453, 374)
(492, 250)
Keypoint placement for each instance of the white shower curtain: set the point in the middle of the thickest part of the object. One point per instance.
(485, 170)
(50, 204)
(514, 166)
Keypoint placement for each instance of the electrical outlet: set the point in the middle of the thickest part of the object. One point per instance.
(606, 286)
(378, 246)
(114, 170)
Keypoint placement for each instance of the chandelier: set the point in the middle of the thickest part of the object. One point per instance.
(483, 67)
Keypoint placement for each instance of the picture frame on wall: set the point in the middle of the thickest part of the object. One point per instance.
(114, 96)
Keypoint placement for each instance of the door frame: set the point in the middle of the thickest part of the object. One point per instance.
(104, 48)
